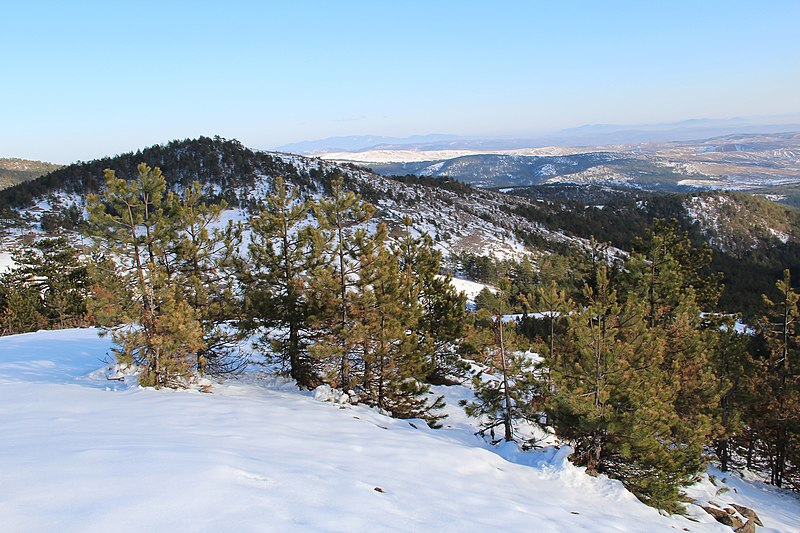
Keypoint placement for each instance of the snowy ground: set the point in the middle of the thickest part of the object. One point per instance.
(471, 289)
(81, 453)
(5, 261)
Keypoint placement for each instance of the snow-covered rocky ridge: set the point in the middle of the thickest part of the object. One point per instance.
(81, 452)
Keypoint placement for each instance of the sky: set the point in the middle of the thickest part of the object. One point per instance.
(82, 80)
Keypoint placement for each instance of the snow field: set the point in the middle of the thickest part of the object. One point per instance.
(83, 453)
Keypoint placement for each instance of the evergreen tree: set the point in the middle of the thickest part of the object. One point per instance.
(779, 382)
(20, 308)
(732, 367)
(282, 256)
(340, 218)
(393, 363)
(665, 264)
(548, 304)
(443, 309)
(553, 304)
(130, 225)
(670, 276)
(46, 288)
(613, 399)
(503, 395)
(205, 257)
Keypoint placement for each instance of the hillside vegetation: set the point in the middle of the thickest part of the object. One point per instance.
(752, 239)
(14, 171)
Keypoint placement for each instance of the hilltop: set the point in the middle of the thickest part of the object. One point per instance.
(14, 171)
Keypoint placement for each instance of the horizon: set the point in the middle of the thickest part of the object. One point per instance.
(95, 80)
(537, 140)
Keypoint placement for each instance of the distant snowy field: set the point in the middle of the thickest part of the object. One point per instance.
(407, 156)
(80, 452)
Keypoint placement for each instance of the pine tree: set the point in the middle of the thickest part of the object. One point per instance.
(670, 276)
(733, 365)
(553, 304)
(282, 256)
(393, 364)
(47, 288)
(20, 308)
(665, 264)
(779, 380)
(205, 257)
(129, 224)
(443, 309)
(613, 398)
(504, 394)
(340, 218)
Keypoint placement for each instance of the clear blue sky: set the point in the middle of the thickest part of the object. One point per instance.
(86, 79)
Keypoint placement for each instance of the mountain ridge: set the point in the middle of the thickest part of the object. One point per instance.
(587, 135)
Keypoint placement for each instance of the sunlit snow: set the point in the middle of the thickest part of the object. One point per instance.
(81, 452)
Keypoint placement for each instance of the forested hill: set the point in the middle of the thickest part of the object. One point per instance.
(752, 239)
(14, 171)
(225, 164)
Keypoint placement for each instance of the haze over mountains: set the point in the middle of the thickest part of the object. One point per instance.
(586, 135)
(753, 153)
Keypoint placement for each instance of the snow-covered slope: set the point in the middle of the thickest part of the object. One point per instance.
(84, 453)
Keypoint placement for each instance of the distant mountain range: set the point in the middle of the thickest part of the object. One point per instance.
(587, 135)
(355, 143)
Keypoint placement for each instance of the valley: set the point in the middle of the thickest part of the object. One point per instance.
(732, 162)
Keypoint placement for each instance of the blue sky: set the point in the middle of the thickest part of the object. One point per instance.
(98, 78)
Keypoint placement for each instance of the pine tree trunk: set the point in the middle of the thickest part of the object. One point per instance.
(344, 373)
(506, 393)
(382, 362)
(723, 446)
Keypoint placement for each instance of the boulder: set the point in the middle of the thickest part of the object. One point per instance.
(723, 517)
(748, 527)
(748, 513)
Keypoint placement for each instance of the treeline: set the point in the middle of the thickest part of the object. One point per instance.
(618, 218)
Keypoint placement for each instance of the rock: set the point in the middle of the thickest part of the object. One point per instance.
(748, 527)
(748, 513)
(713, 511)
(724, 518)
